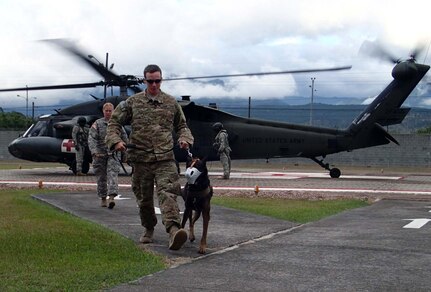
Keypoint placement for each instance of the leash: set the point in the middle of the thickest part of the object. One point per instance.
(189, 153)
(115, 157)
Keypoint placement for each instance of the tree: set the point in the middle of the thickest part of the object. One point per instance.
(14, 120)
(424, 130)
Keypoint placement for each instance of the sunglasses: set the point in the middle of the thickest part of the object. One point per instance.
(150, 81)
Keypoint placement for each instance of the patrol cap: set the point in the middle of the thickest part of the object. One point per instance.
(82, 121)
(217, 126)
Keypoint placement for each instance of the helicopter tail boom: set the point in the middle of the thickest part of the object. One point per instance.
(367, 129)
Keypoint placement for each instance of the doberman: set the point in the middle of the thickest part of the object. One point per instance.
(197, 195)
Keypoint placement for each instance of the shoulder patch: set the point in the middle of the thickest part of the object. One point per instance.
(123, 105)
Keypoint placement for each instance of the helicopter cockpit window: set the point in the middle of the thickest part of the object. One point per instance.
(39, 129)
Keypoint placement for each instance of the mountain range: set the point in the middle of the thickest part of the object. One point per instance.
(323, 115)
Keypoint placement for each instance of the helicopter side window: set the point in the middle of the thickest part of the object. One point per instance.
(38, 130)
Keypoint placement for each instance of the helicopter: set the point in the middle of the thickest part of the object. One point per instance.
(49, 140)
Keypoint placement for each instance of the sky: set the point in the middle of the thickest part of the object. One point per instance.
(192, 38)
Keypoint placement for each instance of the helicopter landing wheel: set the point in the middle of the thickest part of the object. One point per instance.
(334, 173)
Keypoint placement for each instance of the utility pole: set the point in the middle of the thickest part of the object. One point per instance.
(106, 66)
(26, 100)
(312, 99)
(249, 106)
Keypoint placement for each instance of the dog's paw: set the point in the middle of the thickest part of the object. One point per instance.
(202, 250)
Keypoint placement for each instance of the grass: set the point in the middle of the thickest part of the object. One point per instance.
(299, 211)
(44, 249)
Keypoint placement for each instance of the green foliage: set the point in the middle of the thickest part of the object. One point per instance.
(300, 211)
(43, 249)
(424, 130)
(14, 120)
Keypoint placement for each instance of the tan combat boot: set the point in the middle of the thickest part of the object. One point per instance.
(147, 237)
(177, 237)
(111, 202)
(103, 202)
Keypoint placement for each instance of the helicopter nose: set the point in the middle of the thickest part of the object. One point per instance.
(15, 148)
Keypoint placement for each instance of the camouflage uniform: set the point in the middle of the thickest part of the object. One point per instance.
(153, 121)
(222, 146)
(80, 136)
(106, 167)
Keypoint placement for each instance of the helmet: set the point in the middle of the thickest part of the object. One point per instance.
(82, 121)
(217, 126)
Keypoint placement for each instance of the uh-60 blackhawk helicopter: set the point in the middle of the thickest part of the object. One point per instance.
(49, 140)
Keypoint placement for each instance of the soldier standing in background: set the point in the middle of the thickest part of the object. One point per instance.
(80, 136)
(221, 145)
(154, 116)
(106, 166)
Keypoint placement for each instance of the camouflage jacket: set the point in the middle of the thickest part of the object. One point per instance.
(154, 121)
(96, 138)
(221, 143)
(80, 135)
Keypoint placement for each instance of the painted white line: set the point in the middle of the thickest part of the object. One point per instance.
(417, 223)
(233, 188)
(55, 183)
(298, 175)
(327, 190)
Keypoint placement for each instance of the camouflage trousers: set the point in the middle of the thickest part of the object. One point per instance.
(164, 174)
(106, 169)
(225, 161)
(79, 157)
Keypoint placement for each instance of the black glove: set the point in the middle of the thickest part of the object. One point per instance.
(77, 147)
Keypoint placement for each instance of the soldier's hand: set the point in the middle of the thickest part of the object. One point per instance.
(120, 146)
(77, 147)
(184, 145)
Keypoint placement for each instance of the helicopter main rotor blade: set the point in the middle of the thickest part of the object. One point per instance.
(376, 50)
(64, 86)
(260, 73)
(87, 59)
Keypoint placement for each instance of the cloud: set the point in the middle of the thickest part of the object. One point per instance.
(206, 38)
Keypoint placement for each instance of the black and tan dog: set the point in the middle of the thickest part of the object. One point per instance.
(197, 195)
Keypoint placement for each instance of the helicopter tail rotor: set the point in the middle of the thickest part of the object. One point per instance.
(376, 50)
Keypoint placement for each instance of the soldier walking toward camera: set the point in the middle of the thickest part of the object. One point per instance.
(155, 116)
(80, 136)
(106, 164)
(221, 145)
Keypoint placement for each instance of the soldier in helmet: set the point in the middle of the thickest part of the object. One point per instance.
(80, 137)
(106, 164)
(154, 116)
(221, 145)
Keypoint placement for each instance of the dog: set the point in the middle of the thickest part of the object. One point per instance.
(197, 194)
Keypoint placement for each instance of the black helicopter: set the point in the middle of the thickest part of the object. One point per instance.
(49, 140)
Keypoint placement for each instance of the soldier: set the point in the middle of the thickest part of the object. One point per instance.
(106, 164)
(80, 136)
(154, 117)
(221, 145)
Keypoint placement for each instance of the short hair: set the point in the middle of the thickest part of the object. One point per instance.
(151, 69)
(108, 104)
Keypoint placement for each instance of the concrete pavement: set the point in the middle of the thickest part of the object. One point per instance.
(366, 249)
(383, 247)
